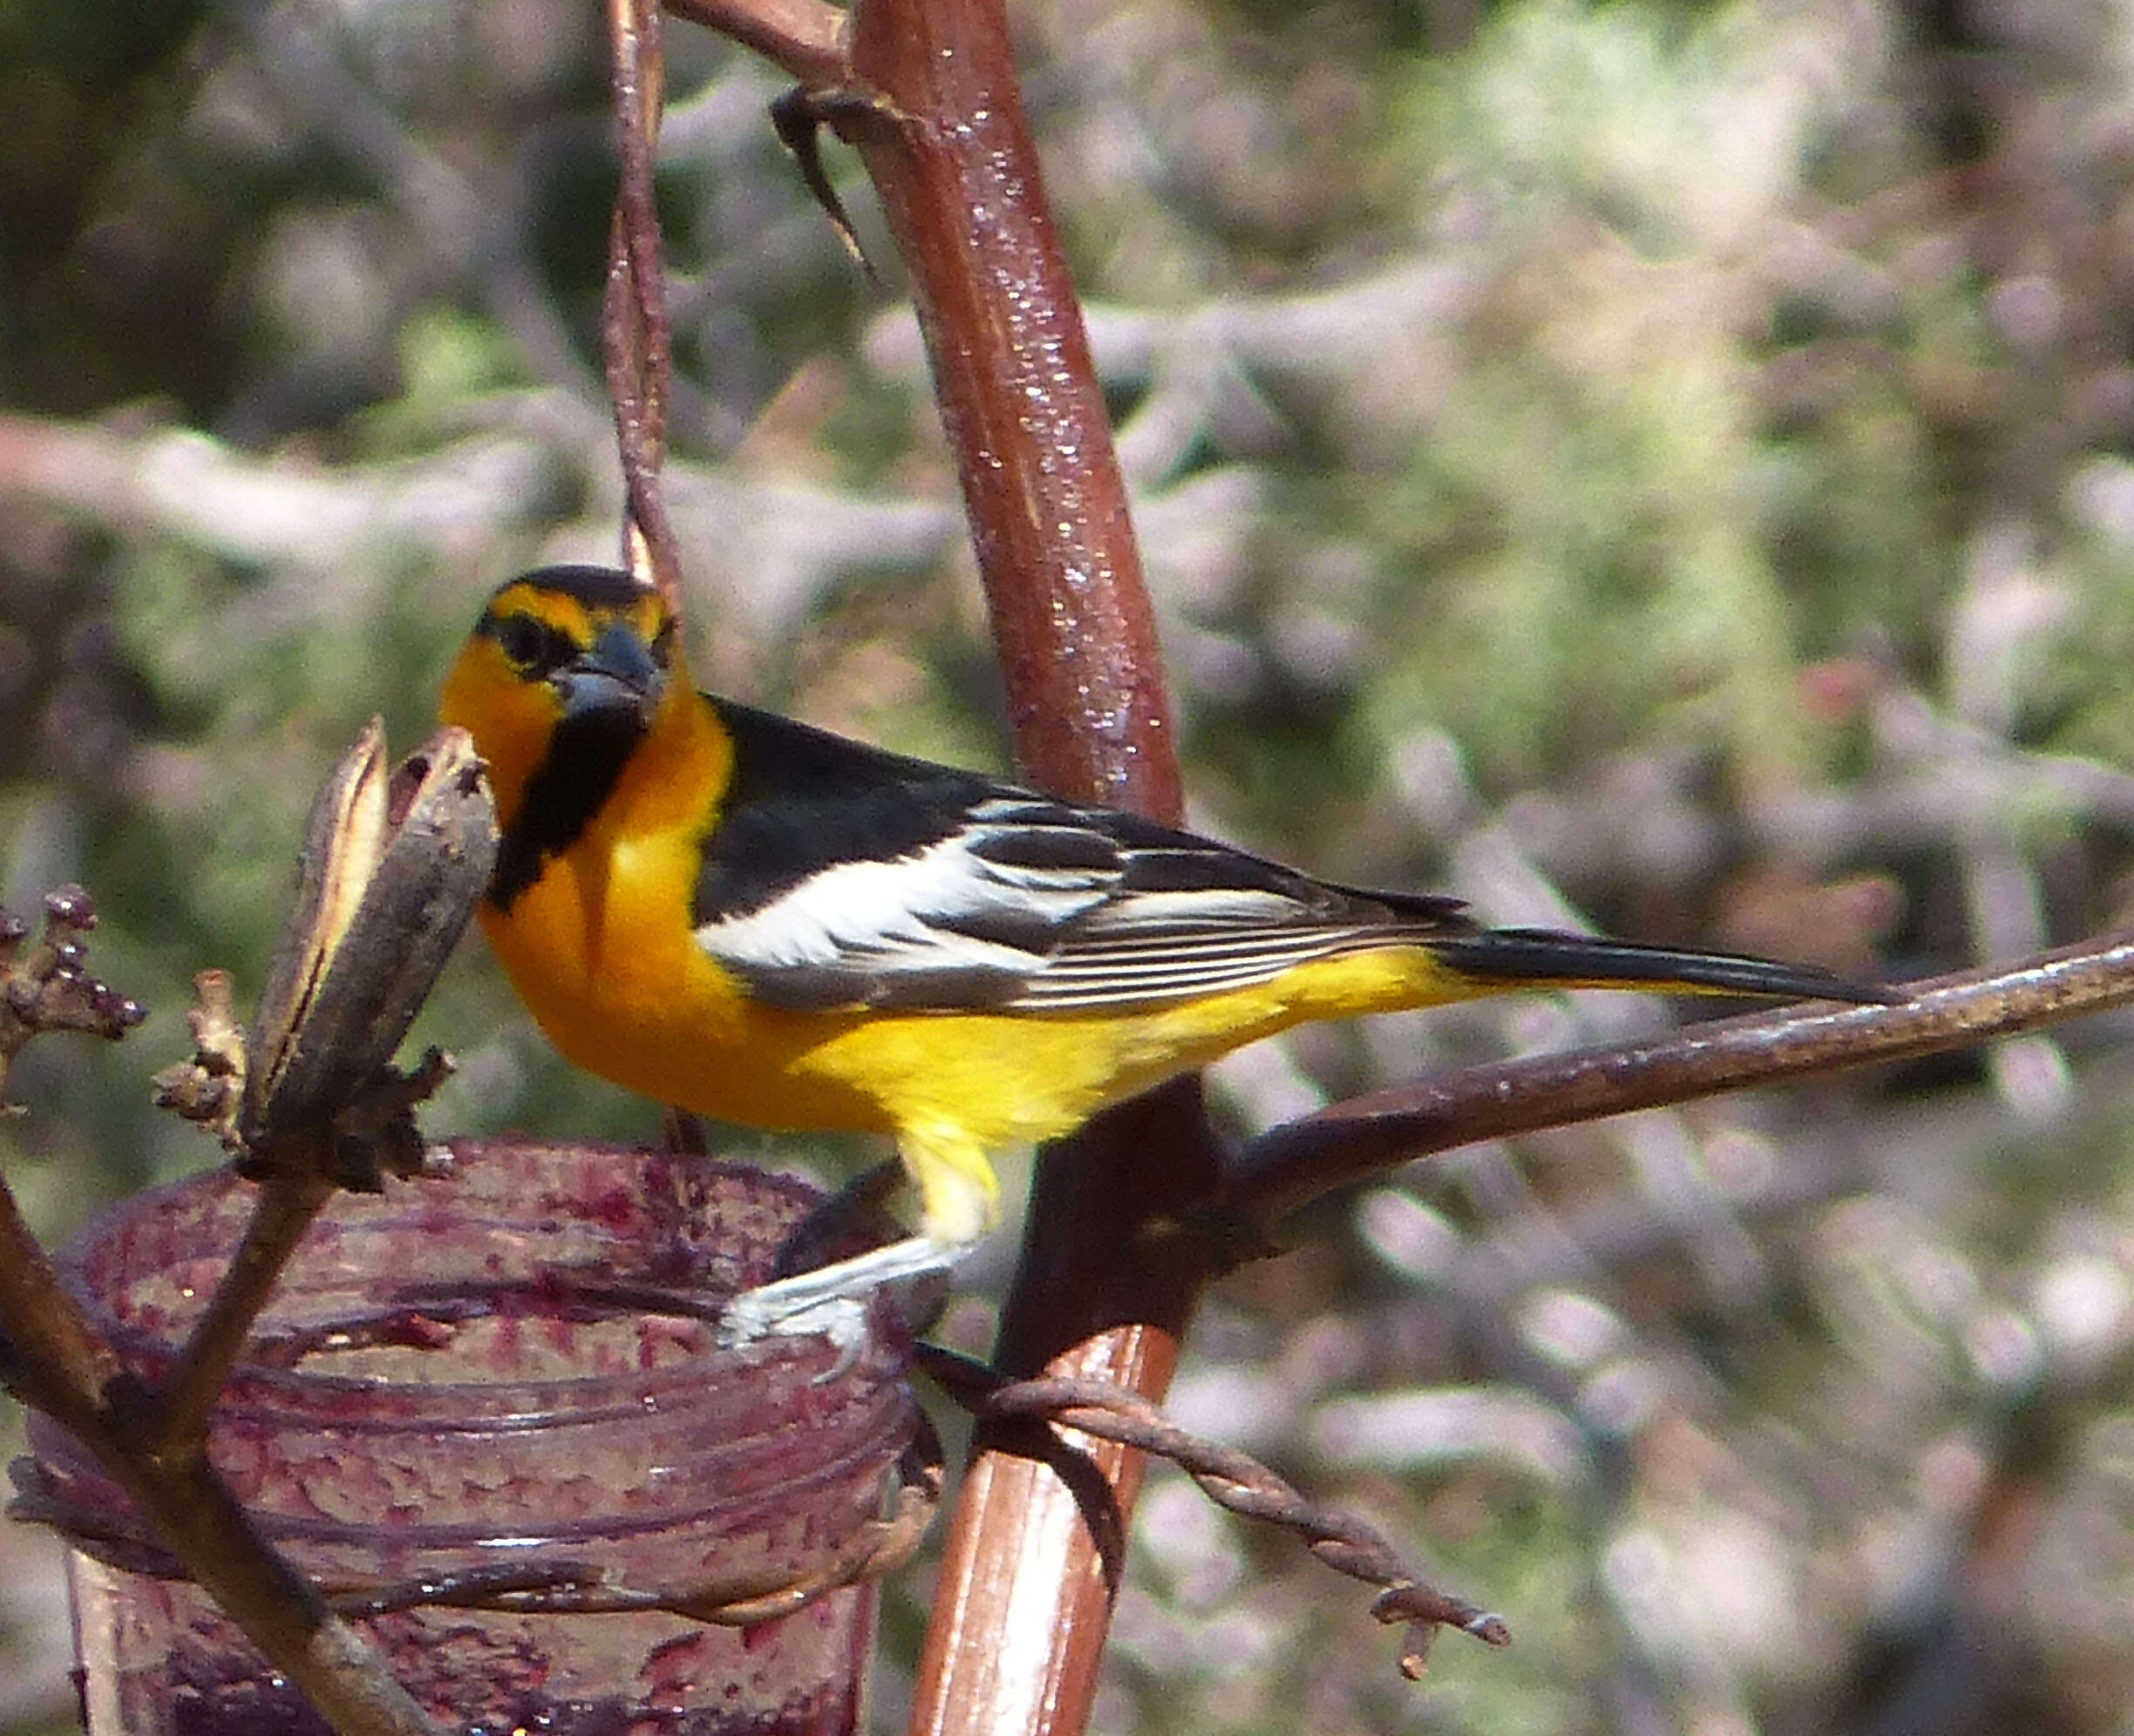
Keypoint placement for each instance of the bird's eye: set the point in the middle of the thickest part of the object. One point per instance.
(524, 641)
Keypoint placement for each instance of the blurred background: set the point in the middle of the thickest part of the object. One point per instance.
(1664, 464)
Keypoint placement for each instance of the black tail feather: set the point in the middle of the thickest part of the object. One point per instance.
(1544, 956)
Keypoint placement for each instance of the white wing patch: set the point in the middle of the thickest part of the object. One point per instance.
(946, 914)
(1024, 908)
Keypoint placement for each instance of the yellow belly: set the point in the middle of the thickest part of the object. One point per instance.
(626, 993)
(599, 951)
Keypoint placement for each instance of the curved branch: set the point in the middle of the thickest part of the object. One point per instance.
(1288, 1166)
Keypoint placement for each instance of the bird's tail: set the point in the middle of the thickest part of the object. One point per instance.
(1544, 957)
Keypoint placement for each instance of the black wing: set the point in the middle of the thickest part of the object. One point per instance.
(842, 876)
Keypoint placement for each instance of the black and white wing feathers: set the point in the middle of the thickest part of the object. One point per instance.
(842, 876)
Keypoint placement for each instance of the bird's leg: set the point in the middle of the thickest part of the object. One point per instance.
(832, 1300)
(959, 1201)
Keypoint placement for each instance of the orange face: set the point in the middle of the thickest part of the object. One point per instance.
(509, 686)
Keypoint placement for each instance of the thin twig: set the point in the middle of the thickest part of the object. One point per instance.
(635, 331)
(807, 39)
(1233, 1480)
(284, 1209)
(1288, 1166)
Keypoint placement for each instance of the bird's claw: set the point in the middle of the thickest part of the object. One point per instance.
(755, 1315)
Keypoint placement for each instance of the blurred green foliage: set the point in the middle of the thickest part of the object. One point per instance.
(1677, 458)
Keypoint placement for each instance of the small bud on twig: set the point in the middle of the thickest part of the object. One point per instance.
(49, 988)
(208, 1088)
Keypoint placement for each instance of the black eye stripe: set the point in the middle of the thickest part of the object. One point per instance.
(533, 645)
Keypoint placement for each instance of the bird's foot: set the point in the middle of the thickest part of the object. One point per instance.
(755, 1315)
(831, 1301)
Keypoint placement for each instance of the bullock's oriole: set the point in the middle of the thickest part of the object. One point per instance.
(738, 914)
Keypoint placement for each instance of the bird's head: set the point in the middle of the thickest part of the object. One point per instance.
(567, 664)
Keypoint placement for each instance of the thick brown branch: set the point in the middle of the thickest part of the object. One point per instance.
(202, 1524)
(936, 113)
(933, 106)
(49, 1358)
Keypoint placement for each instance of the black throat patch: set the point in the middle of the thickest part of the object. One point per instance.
(583, 765)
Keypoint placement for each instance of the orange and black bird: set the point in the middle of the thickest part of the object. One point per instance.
(740, 915)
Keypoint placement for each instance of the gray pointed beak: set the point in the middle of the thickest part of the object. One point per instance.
(618, 674)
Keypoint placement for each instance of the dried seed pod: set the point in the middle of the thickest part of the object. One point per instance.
(392, 865)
